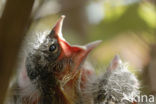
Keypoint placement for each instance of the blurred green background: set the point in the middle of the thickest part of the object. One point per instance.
(127, 28)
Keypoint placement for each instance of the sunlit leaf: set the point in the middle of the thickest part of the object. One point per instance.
(147, 11)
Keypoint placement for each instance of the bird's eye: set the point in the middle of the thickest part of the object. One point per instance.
(52, 48)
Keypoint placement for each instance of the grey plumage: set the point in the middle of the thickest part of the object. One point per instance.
(117, 86)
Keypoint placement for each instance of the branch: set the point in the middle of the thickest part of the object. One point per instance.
(13, 26)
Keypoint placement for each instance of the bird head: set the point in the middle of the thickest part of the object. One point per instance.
(57, 58)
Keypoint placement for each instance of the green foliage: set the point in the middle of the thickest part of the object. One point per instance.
(114, 24)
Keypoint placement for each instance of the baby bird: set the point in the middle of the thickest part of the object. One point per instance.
(53, 73)
(117, 86)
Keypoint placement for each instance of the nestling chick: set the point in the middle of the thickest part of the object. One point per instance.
(116, 86)
(52, 72)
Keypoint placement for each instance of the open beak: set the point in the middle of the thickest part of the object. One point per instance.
(67, 49)
(76, 53)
